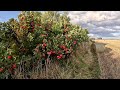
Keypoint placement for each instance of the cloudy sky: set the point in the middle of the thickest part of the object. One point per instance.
(105, 24)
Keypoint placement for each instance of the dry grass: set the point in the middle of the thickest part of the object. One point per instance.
(100, 47)
(110, 59)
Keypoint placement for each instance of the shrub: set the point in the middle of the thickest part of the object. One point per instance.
(38, 37)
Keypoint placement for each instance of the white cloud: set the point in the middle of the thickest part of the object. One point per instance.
(117, 27)
(115, 34)
(93, 35)
(100, 23)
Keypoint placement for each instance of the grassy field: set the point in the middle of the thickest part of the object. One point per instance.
(109, 58)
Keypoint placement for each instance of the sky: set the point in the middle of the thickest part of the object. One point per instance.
(6, 15)
(105, 24)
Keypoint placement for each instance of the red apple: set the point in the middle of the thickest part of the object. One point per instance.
(1, 69)
(14, 66)
(9, 57)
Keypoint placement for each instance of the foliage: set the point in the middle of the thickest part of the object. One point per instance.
(46, 36)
